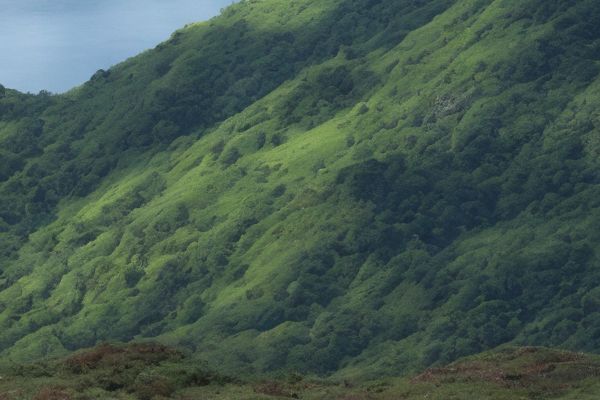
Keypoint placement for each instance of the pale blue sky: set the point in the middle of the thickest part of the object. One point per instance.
(58, 44)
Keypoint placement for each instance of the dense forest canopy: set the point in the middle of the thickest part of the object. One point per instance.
(356, 187)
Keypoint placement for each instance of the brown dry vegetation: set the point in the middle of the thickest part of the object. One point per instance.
(52, 393)
(518, 368)
(107, 355)
(150, 371)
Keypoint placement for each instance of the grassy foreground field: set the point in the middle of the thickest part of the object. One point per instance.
(152, 371)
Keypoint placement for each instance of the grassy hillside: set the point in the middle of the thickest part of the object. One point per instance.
(151, 371)
(358, 187)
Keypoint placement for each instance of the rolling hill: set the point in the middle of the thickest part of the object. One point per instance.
(152, 371)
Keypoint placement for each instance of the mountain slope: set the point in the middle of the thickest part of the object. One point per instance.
(365, 186)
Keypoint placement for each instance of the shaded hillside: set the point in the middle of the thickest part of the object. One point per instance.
(360, 186)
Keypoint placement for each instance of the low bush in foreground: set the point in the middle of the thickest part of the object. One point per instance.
(150, 371)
